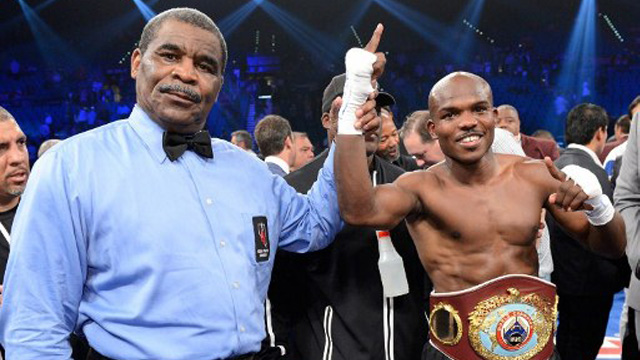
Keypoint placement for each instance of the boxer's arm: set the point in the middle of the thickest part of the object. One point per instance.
(361, 204)
(589, 218)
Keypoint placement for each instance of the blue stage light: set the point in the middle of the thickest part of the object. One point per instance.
(231, 22)
(145, 10)
(576, 81)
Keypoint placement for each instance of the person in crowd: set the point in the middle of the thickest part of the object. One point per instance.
(418, 142)
(547, 135)
(620, 135)
(147, 236)
(509, 119)
(634, 107)
(389, 146)
(46, 145)
(543, 134)
(275, 141)
(242, 139)
(613, 161)
(481, 260)
(332, 303)
(304, 149)
(627, 201)
(14, 172)
(586, 281)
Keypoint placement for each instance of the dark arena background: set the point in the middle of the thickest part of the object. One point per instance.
(65, 64)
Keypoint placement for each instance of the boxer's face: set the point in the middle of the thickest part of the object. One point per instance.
(463, 119)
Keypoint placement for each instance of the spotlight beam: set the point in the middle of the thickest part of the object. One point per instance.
(314, 42)
(472, 13)
(145, 10)
(577, 74)
(428, 29)
(52, 48)
(353, 18)
(19, 18)
(231, 22)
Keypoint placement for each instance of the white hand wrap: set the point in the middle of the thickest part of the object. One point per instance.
(357, 87)
(603, 210)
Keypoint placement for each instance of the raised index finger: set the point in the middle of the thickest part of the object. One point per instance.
(372, 45)
(553, 170)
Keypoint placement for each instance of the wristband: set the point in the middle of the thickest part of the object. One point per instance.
(603, 210)
(357, 87)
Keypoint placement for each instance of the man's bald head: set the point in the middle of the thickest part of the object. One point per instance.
(508, 107)
(5, 115)
(455, 85)
(462, 116)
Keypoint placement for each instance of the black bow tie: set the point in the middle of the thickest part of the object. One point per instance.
(175, 145)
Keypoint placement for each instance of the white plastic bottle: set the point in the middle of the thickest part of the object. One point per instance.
(391, 266)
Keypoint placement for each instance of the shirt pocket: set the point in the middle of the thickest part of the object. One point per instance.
(260, 246)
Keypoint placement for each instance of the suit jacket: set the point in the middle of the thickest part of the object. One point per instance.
(336, 293)
(406, 163)
(539, 148)
(627, 202)
(276, 169)
(577, 270)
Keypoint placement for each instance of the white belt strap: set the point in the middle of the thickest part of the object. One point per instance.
(5, 233)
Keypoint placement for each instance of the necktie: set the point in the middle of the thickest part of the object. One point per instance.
(175, 144)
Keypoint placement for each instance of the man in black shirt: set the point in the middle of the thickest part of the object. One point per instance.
(14, 172)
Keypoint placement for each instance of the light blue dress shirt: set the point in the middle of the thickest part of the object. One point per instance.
(150, 259)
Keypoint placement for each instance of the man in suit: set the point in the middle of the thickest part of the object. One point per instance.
(275, 141)
(304, 149)
(242, 139)
(621, 133)
(331, 305)
(586, 282)
(627, 201)
(509, 119)
(419, 143)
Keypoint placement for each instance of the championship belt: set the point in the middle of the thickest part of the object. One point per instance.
(512, 317)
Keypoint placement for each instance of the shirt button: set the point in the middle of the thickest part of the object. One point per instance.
(223, 243)
(209, 201)
(242, 329)
(235, 285)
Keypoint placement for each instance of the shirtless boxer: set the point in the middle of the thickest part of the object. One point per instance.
(473, 219)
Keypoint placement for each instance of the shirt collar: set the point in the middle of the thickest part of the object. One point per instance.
(149, 132)
(587, 150)
(276, 160)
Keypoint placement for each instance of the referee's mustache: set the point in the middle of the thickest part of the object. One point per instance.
(186, 91)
